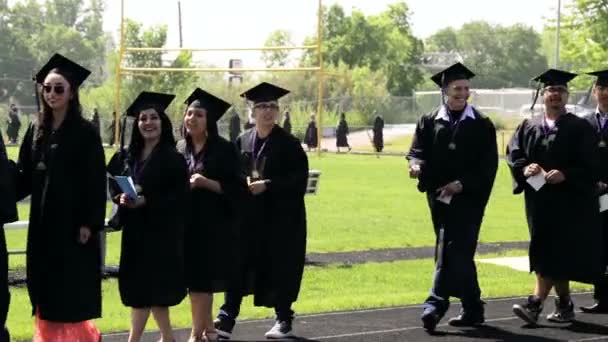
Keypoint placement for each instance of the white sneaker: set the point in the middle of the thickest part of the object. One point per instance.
(280, 329)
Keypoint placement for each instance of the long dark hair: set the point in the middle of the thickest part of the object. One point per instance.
(45, 117)
(137, 140)
(212, 130)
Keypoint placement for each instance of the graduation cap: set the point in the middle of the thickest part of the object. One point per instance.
(455, 72)
(215, 106)
(554, 77)
(76, 72)
(147, 99)
(264, 92)
(602, 77)
(551, 77)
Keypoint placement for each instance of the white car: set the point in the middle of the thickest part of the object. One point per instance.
(539, 108)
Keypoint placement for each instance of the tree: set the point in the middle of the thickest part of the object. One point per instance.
(500, 56)
(382, 42)
(583, 38)
(277, 58)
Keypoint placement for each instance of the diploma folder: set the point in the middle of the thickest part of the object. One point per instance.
(126, 185)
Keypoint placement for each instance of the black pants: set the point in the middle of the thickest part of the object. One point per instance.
(232, 307)
(601, 287)
(455, 271)
(5, 296)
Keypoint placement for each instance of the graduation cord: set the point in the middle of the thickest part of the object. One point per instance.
(256, 156)
(535, 97)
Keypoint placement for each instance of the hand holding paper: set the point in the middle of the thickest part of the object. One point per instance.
(537, 181)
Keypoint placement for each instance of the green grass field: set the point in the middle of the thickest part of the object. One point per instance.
(339, 287)
(402, 144)
(369, 203)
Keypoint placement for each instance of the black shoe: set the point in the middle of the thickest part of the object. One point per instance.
(430, 319)
(597, 308)
(280, 329)
(470, 318)
(530, 310)
(224, 326)
(564, 311)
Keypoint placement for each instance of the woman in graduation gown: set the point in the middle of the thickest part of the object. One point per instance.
(151, 274)
(216, 186)
(311, 138)
(342, 133)
(274, 226)
(563, 215)
(62, 167)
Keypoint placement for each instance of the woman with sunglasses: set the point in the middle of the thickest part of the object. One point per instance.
(215, 184)
(61, 164)
(151, 273)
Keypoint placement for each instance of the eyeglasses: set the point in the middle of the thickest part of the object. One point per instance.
(58, 89)
(264, 106)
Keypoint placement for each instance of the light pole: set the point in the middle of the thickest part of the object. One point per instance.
(559, 17)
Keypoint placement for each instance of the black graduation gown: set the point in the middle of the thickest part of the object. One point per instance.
(64, 276)
(211, 251)
(14, 125)
(342, 134)
(311, 138)
(8, 206)
(287, 125)
(473, 162)
(273, 233)
(235, 127)
(563, 219)
(152, 250)
(8, 213)
(378, 138)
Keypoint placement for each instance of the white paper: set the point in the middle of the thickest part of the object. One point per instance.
(445, 199)
(603, 203)
(537, 181)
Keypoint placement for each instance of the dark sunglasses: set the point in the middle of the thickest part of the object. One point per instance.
(266, 106)
(58, 89)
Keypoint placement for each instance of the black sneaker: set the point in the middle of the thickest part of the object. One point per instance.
(280, 329)
(530, 310)
(468, 318)
(430, 318)
(564, 311)
(224, 326)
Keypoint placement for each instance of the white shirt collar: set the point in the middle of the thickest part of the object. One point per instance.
(443, 113)
(597, 111)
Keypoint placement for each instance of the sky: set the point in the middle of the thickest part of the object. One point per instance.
(247, 23)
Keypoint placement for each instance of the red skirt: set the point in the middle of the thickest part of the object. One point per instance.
(47, 331)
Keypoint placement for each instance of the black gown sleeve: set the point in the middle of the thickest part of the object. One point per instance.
(585, 171)
(92, 193)
(480, 177)
(173, 189)
(295, 179)
(517, 157)
(25, 165)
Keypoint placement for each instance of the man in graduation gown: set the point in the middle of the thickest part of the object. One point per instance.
(235, 126)
(8, 213)
(287, 122)
(454, 156)
(274, 227)
(378, 139)
(553, 161)
(599, 121)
